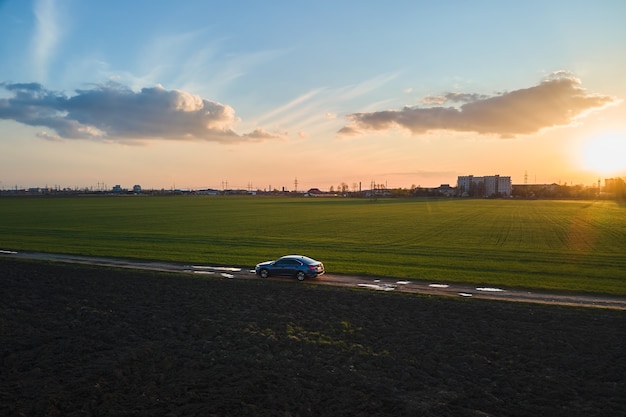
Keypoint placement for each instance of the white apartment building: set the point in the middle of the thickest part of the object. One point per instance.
(488, 186)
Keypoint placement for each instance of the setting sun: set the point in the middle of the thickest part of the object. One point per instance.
(606, 154)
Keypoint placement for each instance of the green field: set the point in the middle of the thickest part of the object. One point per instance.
(560, 245)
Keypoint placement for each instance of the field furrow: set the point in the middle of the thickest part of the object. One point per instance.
(576, 245)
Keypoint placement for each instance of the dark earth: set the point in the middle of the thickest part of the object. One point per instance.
(80, 340)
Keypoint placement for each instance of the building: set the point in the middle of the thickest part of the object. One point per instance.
(488, 186)
(445, 190)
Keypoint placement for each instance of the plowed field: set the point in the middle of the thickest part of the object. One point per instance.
(90, 341)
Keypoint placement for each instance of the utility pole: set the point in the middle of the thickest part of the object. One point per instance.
(295, 184)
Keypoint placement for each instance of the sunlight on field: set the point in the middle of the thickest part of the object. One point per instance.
(582, 234)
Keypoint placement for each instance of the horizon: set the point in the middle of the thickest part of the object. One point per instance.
(196, 95)
(105, 187)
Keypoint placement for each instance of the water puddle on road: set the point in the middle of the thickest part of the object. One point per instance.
(203, 272)
(217, 268)
(377, 287)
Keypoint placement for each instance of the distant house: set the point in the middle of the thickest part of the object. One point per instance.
(445, 189)
(117, 189)
(208, 191)
(136, 188)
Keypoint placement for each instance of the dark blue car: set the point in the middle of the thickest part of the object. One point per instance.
(297, 266)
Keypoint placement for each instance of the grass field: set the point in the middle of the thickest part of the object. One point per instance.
(559, 245)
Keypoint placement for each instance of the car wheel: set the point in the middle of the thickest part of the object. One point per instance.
(264, 273)
(300, 275)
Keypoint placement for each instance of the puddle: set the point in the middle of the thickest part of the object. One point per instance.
(8, 252)
(403, 282)
(439, 285)
(217, 268)
(225, 275)
(488, 289)
(465, 294)
(378, 287)
(204, 272)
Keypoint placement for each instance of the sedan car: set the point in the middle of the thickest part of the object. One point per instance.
(297, 266)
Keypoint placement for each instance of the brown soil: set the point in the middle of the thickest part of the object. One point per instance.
(90, 341)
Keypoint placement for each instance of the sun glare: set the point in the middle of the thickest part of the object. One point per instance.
(606, 154)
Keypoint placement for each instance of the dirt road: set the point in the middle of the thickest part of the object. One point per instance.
(371, 283)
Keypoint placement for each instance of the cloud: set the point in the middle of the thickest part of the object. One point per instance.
(48, 136)
(366, 86)
(113, 112)
(260, 135)
(454, 98)
(287, 108)
(46, 35)
(556, 101)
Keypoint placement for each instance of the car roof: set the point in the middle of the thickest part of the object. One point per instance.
(300, 258)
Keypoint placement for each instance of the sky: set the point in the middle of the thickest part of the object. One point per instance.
(294, 94)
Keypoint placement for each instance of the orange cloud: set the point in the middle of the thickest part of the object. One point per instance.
(557, 101)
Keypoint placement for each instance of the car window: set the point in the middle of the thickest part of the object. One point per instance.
(287, 263)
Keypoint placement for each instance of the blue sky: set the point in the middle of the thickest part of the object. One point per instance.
(195, 94)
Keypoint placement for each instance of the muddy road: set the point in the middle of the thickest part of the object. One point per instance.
(370, 283)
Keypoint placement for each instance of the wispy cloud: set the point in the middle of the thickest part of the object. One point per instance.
(46, 36)
(317, 109)
(113, 112)
(285, 109)
(197, 60)
(366, 86)
(556, 101)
